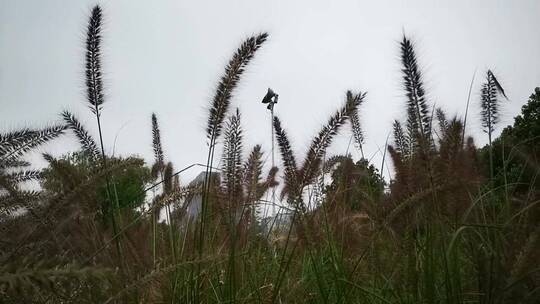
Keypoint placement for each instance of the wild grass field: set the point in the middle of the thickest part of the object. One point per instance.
(454, 223)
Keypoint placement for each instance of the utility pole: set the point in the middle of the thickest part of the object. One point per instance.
(271, 98)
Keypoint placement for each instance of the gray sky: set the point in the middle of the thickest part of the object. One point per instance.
(167, 57)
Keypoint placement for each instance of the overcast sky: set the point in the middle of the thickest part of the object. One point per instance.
(167, 56)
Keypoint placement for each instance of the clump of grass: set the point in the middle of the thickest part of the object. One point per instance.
(441, 232)
(218, 110)
(296, 179)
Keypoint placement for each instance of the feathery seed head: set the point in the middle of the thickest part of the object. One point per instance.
(229, 81)
(94, 85)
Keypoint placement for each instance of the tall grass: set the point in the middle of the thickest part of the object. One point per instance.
(449, 227)
(490, 109)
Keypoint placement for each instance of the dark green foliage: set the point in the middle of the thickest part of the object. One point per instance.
(526, 128)
(356, 185)
(69, 171)
(516, 152)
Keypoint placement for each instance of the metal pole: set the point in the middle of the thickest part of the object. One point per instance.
(273, 160)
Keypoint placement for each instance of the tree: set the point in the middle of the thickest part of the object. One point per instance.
(516, 151)
(129, 176)
(527, 125)
(356, 185)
